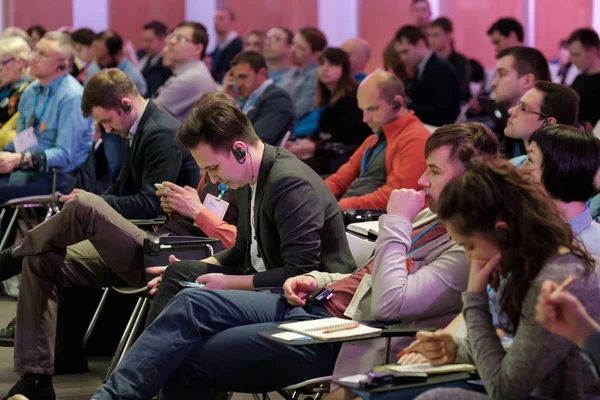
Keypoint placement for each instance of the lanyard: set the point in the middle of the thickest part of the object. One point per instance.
(222, 189)
(374, 154)
(35, 120)
(7, 91)
(430, 227)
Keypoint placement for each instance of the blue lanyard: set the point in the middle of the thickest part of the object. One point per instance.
(374, 154)
(222, 189)
(7, 91)
(37, 120)
(430, 227)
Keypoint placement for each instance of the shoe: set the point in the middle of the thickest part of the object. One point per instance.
(34, 387)
(70, 362)
(9, 266)
(7, 335)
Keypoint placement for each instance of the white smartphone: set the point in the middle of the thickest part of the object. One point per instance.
(160, 186)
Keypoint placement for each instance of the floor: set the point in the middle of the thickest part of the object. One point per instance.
(68, 387)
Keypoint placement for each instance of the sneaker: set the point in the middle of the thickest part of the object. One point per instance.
(34, 387)
(7, 335)
(9, 266)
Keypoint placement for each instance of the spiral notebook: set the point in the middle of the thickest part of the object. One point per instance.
(331, 328)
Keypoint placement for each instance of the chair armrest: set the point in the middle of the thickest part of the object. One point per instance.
(403, 332)
(149, 222)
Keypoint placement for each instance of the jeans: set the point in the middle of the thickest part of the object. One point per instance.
(29, 183)
(209, 339)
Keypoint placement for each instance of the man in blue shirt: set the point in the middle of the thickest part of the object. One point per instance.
(57, 135)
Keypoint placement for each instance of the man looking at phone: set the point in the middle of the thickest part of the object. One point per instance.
(269, 108)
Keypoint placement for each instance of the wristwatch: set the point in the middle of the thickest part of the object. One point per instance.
(26, 161)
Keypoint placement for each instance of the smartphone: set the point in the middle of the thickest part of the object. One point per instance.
(160, 186)
(187, 284)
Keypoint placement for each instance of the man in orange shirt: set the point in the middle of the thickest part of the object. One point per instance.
(391, 158)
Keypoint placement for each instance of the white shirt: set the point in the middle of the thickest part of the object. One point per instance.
(257, 263)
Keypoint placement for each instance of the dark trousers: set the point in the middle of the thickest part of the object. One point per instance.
(209, 339)
(29, 183)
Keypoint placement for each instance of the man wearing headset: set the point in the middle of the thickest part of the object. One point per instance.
(391, 158)
(51, 131)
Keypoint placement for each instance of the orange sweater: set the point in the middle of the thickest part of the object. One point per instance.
(213, 226)
(404, 164)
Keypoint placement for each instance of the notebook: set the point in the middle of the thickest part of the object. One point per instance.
(431, 370)
(339, 328)
(365, 228)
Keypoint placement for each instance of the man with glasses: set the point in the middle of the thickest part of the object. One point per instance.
(278, 48)
(184, 52)
(52, 132)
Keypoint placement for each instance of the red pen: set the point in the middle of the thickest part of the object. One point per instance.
(342, 328)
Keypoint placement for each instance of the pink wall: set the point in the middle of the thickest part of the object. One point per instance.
(52, 14)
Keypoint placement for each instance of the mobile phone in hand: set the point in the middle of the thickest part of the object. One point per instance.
(187, 284)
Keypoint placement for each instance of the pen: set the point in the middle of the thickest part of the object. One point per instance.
(563, 285)
(342, 328)
(409, 348)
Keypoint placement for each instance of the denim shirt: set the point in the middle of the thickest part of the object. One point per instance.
(301, 85)
(66, 137)
(135, 75)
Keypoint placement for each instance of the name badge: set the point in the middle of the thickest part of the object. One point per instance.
(363, 288)
(216, 206)
(25, 140)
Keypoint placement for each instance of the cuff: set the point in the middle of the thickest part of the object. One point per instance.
(206, 221)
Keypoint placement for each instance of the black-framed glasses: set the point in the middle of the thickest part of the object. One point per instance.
(524, 109)
(179, 39)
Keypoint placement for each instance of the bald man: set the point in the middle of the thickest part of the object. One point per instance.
(359, 52)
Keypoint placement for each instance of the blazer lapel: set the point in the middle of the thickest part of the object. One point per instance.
(129, 161)
(269, 157)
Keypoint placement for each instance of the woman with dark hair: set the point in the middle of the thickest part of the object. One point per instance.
(392, 63)
(513, 231)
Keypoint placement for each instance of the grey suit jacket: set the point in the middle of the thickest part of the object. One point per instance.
(273, 115)
(298, 222)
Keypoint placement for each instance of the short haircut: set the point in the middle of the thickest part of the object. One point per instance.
(458, 136)
(588, 38)
(560, 102)
(215, 120)
(571, 159)
(65, 43)
(528, 61)
(105, 89)
(444, 23)
(315, 38)
(252, 58)
(199, 34)
(159, 28)
(13, 31)
(15, 47)
(288, 33)
(411, 33)
(112, 40)
(84, 36)
(40, 30)
(388, 84)
(505, 26)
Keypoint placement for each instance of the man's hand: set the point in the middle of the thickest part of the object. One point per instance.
(302, 148)
(182, 200)
(438, 347)
(215, 281)
(406, 203)
(229, 85)
(481, 274)
(297, 289)
(563, 314)
(154, 283)
(9, 161)
(67, 197)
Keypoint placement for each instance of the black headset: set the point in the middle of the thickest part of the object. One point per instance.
(61, 67)
(239, 154)
(502, 237)
(545, 124)
(396, 105)
(126, 107)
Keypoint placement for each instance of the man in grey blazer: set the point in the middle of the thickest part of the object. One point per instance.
(269, 108)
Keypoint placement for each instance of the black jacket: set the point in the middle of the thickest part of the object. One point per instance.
(344, 121)
(435, 96)
(220, 68)
(273, 115)
(153, 157)
(155, 75)
(299, 223)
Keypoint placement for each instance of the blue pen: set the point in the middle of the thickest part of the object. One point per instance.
(222, 189)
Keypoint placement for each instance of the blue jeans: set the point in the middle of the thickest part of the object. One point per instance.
(208, 339)
(29, 183)
(407, 394)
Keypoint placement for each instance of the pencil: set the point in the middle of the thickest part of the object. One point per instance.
(342, 328)
(408, 348)
(563, 285)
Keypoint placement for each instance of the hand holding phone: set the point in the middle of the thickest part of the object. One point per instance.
(160, 186)
(187, 284)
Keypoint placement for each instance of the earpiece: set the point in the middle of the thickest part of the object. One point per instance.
(126, 107)
(396, 105)
(239, 154)
(502, 237)
(545, 124)
(61, 67)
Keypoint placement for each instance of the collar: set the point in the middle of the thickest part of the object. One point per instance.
(396, 127)
(124, 64)
(51, 87)
(254, 96)
(231, 36)
(23, 81)
(187, 67)
(581, 221)
(136, 123)
(308, 68)
(423, 64)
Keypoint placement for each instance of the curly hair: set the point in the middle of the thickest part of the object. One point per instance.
(493, 190)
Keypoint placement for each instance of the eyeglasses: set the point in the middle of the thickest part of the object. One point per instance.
(179, 39)
(41, 54)
(5, 62)
(524, 109)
